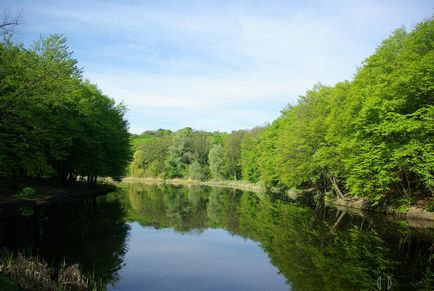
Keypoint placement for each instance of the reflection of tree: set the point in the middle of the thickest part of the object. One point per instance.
(181, 208)
(326, 255)
(215, 206)
(314, 249)
(222, 208)
(91, 232)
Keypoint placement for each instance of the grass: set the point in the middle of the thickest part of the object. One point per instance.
(430, 206)
(26, 272)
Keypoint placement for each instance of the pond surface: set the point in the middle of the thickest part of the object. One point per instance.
(196, 238)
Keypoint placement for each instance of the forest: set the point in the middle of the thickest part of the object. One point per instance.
(371, 137)
(87, 205)
(54, 124)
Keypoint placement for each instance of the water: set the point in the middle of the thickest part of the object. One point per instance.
(195, 238)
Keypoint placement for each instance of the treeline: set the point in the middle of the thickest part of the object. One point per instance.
(371, 137)
(53, 123)
(198, 155)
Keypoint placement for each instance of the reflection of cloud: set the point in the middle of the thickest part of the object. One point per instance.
(171, 56)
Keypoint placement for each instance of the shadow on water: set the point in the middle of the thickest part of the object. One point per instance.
(314, 248)
(90, 232)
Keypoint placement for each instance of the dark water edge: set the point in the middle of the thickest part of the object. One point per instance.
(144, 236)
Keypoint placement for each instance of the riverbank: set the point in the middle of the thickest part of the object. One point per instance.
(240, 185)
(357, 205)
(17, 194)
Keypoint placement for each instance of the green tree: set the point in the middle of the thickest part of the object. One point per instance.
(232, 153)
(52, 123)
(180, 154)
(196, 171)
(249, 155)
(392, 97)
(217, 162)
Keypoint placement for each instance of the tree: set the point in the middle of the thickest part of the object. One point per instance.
(180, 154)
(249, 155)
(216, 162)
(392, 97)
(196, 172)
(10, 24)
(232, 152)
(52, 123)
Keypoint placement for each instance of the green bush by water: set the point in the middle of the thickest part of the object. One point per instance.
(27, 192)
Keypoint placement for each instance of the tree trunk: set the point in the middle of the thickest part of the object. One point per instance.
(335, 186)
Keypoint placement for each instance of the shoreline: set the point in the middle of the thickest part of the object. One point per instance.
(360, 205)
(52, 194)
(240, 185)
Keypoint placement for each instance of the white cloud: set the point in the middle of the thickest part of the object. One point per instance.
(218, 64)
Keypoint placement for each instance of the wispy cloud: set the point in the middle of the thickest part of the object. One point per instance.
(217, 65)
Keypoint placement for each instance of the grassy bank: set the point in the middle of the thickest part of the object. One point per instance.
(241, 185)
(26, 272)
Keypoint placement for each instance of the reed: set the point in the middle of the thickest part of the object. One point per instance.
(33, 273)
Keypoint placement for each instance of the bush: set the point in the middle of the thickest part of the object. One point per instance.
(430, 206)
(196, 171)
(27, 192)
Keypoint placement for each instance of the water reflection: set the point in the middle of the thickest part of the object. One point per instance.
(315, 249)
(89, 232)
(195, 238)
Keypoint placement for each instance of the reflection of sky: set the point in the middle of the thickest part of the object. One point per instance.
(214, 260)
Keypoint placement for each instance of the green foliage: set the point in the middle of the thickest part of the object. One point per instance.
(232, 153)
(151, 150)
(196, 172)
(313, 252)
(167, 154)
(372, 137)
(404, 205)
(180, 154)
(52, 123)
(27, 192)
(249, 155)
(430, 206)
(217, 162)
(27, 211)
(392, 143)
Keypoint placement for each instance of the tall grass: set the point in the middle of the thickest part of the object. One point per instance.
(33, 273)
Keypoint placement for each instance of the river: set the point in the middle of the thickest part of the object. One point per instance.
(200, 238)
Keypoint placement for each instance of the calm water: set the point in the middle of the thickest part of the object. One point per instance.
(194, 238)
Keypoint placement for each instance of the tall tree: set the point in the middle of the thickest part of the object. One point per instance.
(232, 153)
(217, 162)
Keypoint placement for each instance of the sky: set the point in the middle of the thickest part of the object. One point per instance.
(215, 65)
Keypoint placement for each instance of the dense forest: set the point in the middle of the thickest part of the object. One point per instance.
(53, 123)
(371, 137)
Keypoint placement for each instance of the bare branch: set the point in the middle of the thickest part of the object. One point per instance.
(10, 23)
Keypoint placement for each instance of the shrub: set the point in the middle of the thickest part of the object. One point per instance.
(27, 192)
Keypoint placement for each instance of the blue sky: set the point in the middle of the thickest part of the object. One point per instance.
(215, 65)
